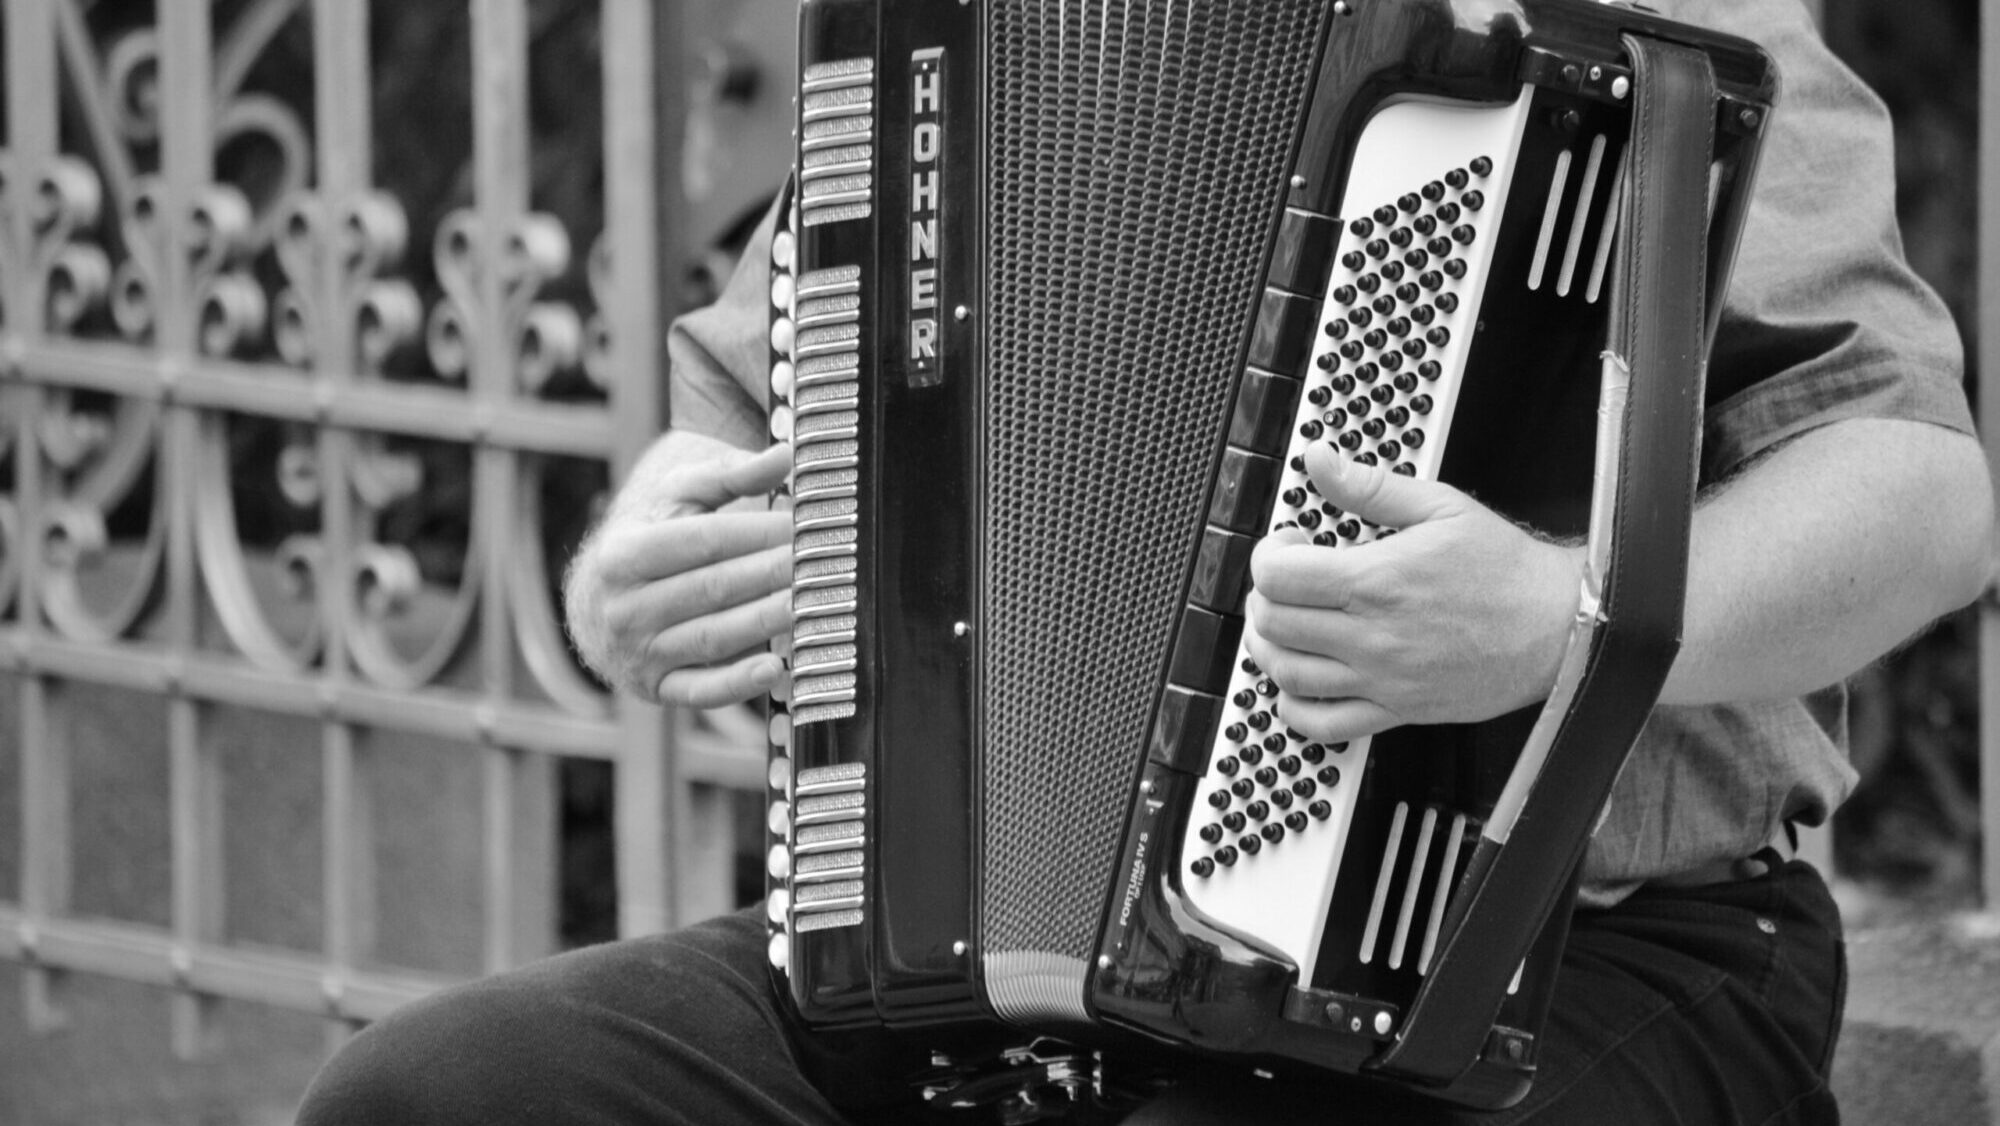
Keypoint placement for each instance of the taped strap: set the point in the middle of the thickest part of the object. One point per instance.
(1523, 868)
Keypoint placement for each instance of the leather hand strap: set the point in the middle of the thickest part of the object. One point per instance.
(1522, 873)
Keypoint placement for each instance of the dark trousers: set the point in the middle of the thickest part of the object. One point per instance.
(1700, 1006)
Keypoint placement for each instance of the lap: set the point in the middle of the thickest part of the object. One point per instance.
(1713, 1005)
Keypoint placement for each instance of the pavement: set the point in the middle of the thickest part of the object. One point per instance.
(1921, 1046)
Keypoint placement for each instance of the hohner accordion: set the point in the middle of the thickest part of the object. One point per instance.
(1064, 289)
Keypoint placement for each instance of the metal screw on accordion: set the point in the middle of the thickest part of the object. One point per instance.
(1748, 118)
(961, 312)
(1104, 961)
(1146, 787)
(960, 947)
(1621, 86)
(960, 629)
(1383, 1024)
(1341, 8)
(1335, 1012)
(1298, 181)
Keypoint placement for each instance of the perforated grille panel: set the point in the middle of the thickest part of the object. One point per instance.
(1136, 155)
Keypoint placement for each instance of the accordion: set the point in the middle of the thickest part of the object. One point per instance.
(1063, 291)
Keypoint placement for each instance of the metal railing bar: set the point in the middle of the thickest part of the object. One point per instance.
(149, 956)
(45, 777)
(288, 394)
(720, 761)
(347, 867)
(248, 36)
(187, 163)
(716, 758)
(510, 855)
(195, 829)
(342, 66)
(632, 307)
(1989, 419)
(45, 837)
(79, 57)
(443, 713)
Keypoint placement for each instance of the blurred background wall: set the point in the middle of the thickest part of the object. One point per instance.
(323, 327)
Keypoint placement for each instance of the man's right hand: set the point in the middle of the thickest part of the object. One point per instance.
(676, 595)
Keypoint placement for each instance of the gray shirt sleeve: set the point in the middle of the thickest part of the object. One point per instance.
(1824, 319)
(720, 358)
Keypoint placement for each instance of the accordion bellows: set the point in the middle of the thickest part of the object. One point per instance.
(1131, 174)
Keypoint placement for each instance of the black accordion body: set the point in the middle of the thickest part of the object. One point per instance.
(1065, 289)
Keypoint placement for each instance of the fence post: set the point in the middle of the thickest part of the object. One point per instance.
(1988, 360)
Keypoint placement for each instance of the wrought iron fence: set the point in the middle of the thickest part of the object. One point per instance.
(275, 446)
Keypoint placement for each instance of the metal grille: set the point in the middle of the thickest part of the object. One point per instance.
(1137, 152)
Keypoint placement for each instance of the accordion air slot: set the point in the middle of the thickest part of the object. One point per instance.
(836, 689)
(835, 367)
(1602, 258)
(832, 279)
(835, 308)
(824, 572)
(814, 922)
(831, 338)
(827, 453)
(835, 837)
(841, 189)
(832, 896)
(839, 512)
(830, 807)
(1412, 882)
(839, 776)
(1383, 879)
(831, 161)
(835, 131)
(819, 215)
(824, 659)
(838, 581)
(823, 631)
(837, 72)
(1441, 895)
(829, 426)
(823, 544)
(828, 397)
(860, 167)
(1581, 219)
(831, 600)
(846, 101)
(1549, 211)
(831, 483)
(820, 713)
(818, 867)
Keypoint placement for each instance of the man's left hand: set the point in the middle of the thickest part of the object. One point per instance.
(1460, 616)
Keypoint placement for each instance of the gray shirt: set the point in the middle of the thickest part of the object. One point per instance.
(1824, 321)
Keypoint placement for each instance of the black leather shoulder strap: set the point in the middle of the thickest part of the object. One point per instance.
(1521, 871)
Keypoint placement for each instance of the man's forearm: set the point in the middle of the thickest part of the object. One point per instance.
(1827, 554)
